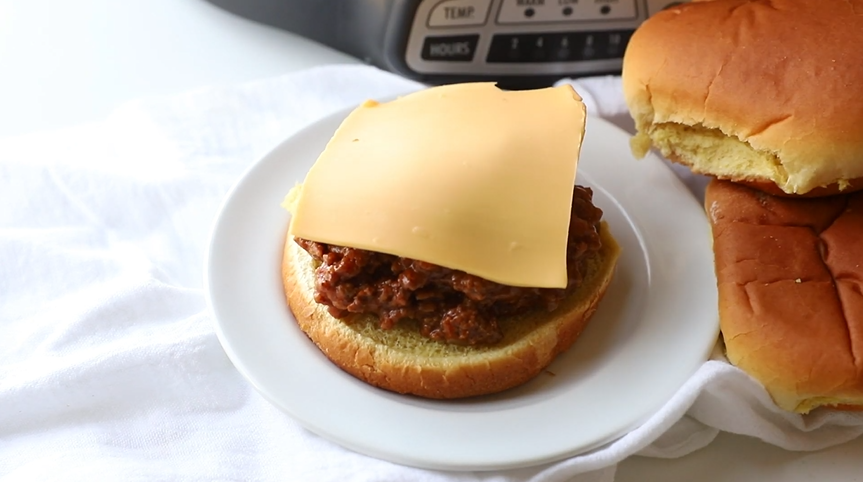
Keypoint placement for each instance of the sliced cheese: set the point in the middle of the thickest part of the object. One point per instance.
(465, 176)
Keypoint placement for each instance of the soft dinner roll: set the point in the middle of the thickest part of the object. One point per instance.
(790, 279)
(762, 92)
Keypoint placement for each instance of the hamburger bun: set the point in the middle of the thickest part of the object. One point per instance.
(790, 285)
(403, 361)
(762, 93)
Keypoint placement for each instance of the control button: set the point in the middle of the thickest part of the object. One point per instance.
(615, 43)
(562, 45)
(558, 47)
(506, 48)
(459, 48)
(458, 13)
(611, 9)
(539, 49)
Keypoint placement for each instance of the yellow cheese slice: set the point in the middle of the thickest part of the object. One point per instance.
(465, 176)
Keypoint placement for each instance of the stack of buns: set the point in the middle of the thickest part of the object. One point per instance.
(764, 96)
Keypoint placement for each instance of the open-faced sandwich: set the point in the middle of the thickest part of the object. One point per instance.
(439, 245)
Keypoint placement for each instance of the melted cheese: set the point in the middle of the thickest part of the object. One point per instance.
(465, 176)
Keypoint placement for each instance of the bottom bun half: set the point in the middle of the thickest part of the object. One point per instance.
(403, 361)
(712, 153)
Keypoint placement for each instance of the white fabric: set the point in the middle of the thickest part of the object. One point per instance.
(109, 365)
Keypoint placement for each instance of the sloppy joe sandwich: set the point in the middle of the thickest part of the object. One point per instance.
(439, 245)
(765, 93)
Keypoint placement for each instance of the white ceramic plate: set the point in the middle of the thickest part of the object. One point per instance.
(655, 327)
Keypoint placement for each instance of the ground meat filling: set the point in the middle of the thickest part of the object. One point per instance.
(450, 305)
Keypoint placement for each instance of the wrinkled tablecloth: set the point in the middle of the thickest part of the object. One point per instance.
(109, 365)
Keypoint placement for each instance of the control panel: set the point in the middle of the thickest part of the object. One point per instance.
(524, 37)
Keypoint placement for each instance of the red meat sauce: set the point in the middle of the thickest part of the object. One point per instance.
(451, 306)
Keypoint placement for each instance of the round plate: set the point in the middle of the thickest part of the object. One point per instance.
(654, 328)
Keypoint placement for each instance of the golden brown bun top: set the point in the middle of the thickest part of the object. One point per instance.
(785, 76)
(790, 301)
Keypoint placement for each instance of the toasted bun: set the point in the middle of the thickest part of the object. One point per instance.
(764, 92)
(403, 361)
(790, 280)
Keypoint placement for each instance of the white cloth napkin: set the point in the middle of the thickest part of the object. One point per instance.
(109, 365)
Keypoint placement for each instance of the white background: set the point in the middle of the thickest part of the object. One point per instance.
(64, 63)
